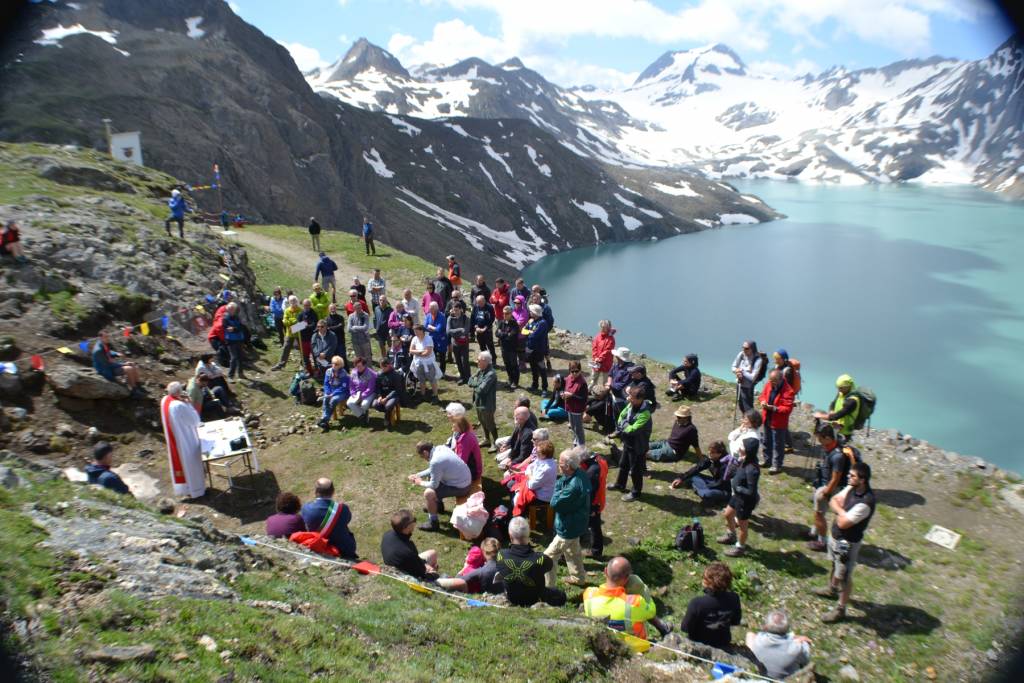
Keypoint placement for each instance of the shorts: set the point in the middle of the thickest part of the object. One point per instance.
(329, 282)
(821, 500)
(116, 369)
(851, 559)
(445, 491)
(743, 506)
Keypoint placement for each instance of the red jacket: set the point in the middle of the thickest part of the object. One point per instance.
(601, 351)
(499, 298)
(778, 418)
(217, 328)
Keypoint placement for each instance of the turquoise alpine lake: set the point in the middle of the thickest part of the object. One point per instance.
(916, 291)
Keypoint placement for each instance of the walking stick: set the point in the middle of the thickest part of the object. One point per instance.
(736, 404)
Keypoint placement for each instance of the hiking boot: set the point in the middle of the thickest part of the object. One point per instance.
(573, 581)
(817, 546)
(430, 526)
(630, 497)
(727, 537)
(828, 592)
(766, 464)
(736, 551)
(775, 470)
(833, 616)
(277, 366)
(789, 449)
(613, 487)
(492, 449)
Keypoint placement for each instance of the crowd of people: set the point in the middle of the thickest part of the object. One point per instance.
(415, 340)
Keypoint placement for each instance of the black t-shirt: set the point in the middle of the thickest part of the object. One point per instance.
(683, 438)
(400, 552)
(709, 617)
(522, 571)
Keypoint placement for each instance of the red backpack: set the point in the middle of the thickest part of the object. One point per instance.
(794, 380)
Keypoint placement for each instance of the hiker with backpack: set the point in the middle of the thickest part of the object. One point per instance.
(776, 401)
(851, 408)
(790, 369)
(832, 474)
(749, 367)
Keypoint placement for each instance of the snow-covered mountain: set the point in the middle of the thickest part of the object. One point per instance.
(933, 120)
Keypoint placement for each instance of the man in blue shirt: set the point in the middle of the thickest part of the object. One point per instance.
(99, 472)
(178, 209)
(368, 236)
(318, 513)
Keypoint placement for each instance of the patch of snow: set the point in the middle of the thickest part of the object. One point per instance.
(429, 149)
(544, 169)
(593, 210)
(751, 198)
(680, 189)
(630, 222)
(377, 164)
(74, 5)
(736, 219)
(500, 159)
(194, 31)
(460, 130)
(650, 212)
(53, 36)
(547, 219)
(124, 52)
(705, 222)
(404, 126)
(491, 178)
(625, 201)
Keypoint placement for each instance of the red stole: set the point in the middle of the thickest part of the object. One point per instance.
(177, 470)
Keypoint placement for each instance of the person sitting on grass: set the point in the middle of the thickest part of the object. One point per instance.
(103, 362)
(684, 436)
(684, 380)
(709, 617)
(483, 579)
(287, 520)
(522, 569)
(446, 476)
(319, 514)
(335, 390)
(398, 551)
(615, 606)
(554, 408)
(99, 471)
(780, 652)
(716, 486)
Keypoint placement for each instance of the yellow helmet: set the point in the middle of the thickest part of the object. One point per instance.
(844, 382)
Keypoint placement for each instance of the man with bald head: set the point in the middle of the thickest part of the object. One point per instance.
(332, 516)
(613, 602)
(184, 451)
(520, 445)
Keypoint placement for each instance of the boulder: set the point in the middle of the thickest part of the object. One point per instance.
(118, 654)
(81, 383)
(83, 176)
(10, 386)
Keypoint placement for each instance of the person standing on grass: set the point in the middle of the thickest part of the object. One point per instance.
(508, 339)
(359, 333)
(368, 236)
(412, 307)
(536, 333)
(485, 388)
(436, 325)
(483, 324)
(571, 502)
(324, 347)
(382, 323)
(430, 296)
(776, 401)
(184, 451)
(747, 367)
(443, 286)
(178, 209)
(377, 286)
(499, 297)
(457, 329)
(335, 322)
(308, 316)
(314, 233)
(326, 268)
(853, 507)
(480, 288)
(446, 476)
(745, 497)
(290, 318)
(234, 336)
(276, 305)
(845, 407)
(634, 427)
(601, 353)
(833, 476)
(575, 396)
(596, 469)
(454, 271)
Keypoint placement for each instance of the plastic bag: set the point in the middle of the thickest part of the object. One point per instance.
(471, 517)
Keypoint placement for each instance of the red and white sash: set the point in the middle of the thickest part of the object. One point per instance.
(177, 470)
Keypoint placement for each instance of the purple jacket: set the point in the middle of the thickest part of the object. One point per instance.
(282, 525)
(364, 384)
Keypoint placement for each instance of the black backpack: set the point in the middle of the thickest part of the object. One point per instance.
(690, 538)
(867, 400)
(307, 392)
(763, 370)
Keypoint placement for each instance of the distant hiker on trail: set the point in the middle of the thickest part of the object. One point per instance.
(749, 369)
(99, 472)
(853, 508)
(368, 236)
(103, 362)
(845, 407)
(684, 380)
(180, 421)
(314, 233)
(225, 220)
(776, 400)
(178, 210)
(454, 271)
(10, 242)
(326, 268)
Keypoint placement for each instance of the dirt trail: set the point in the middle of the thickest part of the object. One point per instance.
(300, 261)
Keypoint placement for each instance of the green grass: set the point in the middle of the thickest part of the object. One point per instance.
(63, 305)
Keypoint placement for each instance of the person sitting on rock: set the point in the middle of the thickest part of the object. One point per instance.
(217, 378)
(522, 569)
(319, 515)
(398, 551)
(779, 651)
(287, 520)
(614, 606)
(684, 380)
(103, 362)
(99, 471)
(10, 242)
(709, 617)
(446, 476)
(483, 579)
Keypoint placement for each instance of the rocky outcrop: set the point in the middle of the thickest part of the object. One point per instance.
(82, 383)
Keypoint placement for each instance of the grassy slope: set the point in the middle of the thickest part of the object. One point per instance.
(937, 608)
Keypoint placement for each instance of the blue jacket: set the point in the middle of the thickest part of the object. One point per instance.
(367, 229)
(105, 478)
(537, 341)
(314, 514)
(326, 267)
(101, 362)
(277, 308)
(238, 334)
(335, 382)
(178, 207)
(440, 336)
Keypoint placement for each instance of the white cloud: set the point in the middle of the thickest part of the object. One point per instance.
(450, 42)
(344, 39)
(784, 71)
(306, 57)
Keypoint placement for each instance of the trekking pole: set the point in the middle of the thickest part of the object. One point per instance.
(736, 404)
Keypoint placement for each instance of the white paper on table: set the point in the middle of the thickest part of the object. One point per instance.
(298, 327)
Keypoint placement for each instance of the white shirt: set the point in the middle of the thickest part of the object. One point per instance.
(859, 512)
(541, 476)
(736, 438)
(412, 307)
(416, 346)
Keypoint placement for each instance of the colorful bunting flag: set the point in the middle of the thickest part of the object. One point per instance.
(165, 322)
(38, 363)
(224, 277)
(65, 350)
(9, 368)
(144, 328)
(84, 345)
(127, 332)
(199, 307)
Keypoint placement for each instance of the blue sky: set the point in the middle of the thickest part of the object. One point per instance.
(607, 42)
